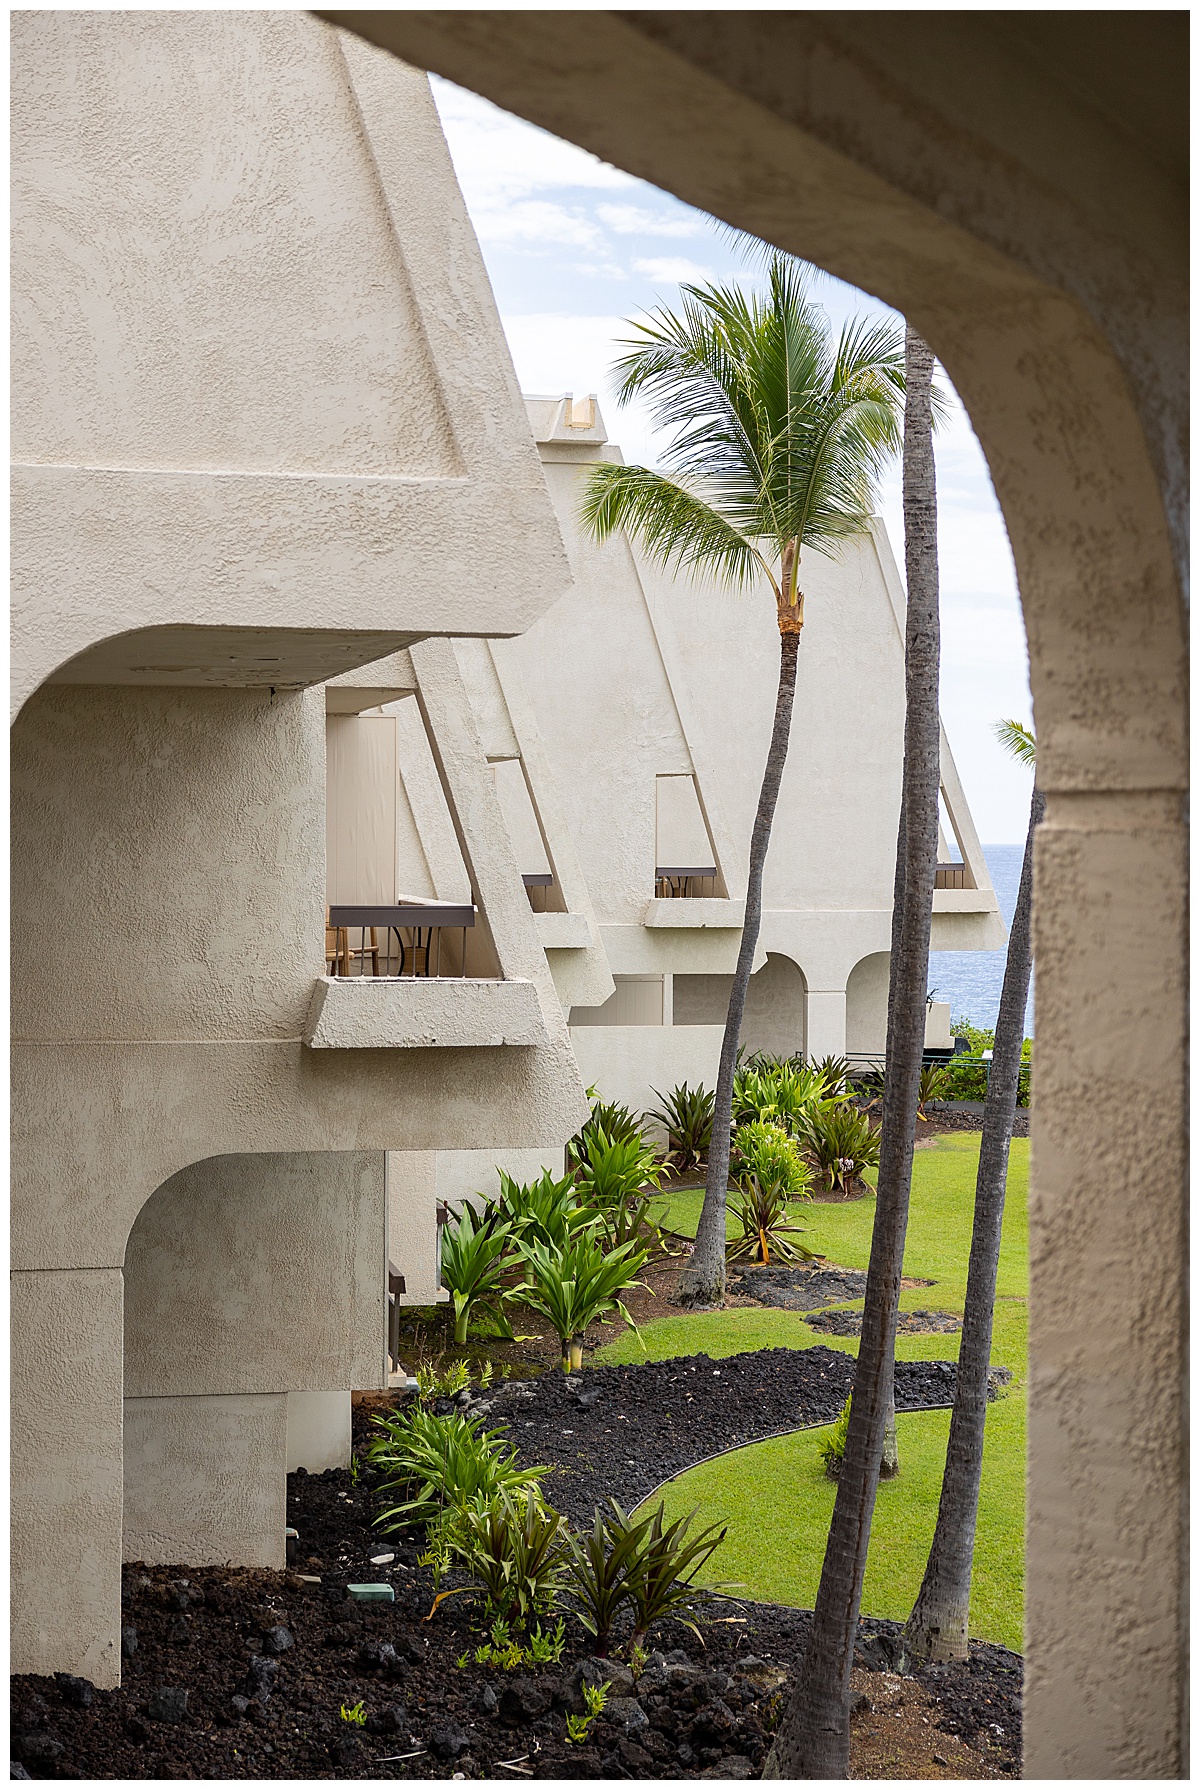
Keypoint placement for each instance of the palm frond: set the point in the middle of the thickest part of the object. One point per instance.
(1018, 740)
(672, 524)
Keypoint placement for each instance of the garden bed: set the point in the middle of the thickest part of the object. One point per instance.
(240, 1674)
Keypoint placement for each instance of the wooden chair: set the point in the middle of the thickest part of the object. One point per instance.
(339, 951)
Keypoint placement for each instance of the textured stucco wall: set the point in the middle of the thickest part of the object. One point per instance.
(205, 1480)
(256, 358)
(257, 1274)
(319, 1430)
(1016, 185)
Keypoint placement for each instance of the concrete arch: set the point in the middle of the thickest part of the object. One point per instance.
(248, 1280)
(1017, 188)
(867, 1005)
(777, 1008)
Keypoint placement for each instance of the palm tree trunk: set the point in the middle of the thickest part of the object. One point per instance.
(703, 1281)
(814, 1738)
(937, 1627)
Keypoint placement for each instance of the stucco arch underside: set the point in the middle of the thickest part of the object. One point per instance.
(1030, 223)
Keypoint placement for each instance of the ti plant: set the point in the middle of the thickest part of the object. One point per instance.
(543, 1211)
(686, 1115)
(514, 1548)
(600, 1562)
(473, 1263)
(573, 1286)
(761, 1207)
(663, 1582)
(932, 1084)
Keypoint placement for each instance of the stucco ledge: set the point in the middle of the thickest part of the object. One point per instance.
(695, 911)
(408, 1013)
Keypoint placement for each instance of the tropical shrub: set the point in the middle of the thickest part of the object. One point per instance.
(662, 1582)
(764, 1152)
(762, 1209)
(843, 1143)
(610, 1117)
(834, 1073)
(473, 1252)
(542, 1211)
(754, 1096)
(433, 1383)
(599, 1564)
(686, 1115)
(617, 1178)
(514, 1548)
(931, 1087)
(769, 1088)
(832, 1448)
(574, 1286)
(441, 1462)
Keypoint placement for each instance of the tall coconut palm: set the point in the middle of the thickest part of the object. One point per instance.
(814, 1737)
(778, 433)
(937, 1627)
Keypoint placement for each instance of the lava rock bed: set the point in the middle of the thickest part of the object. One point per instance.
(909, 1323)
(800, 1289)
(240, 1674)
(675, 1413)
(232, 1673)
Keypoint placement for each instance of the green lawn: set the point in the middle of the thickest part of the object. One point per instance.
(775, 1497)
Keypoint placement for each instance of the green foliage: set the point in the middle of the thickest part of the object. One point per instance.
(661, 1582)
(782, 1090)
(610, 1117)
(686, 1115)
(777, 430)
(638, 1659)
(966, 1075)
(600, 1561)
(447, 1383)
(1018, 740)
(513, 1548)
(834, 1073)
(547, 1650)
(616, 1177)
(761, 1208)
(932, 1085)
(574, 1286)
(442, 1462)
(762, 1151)
(505, 1654)
(832, 1447)
(356, 1714)
(473, 1264)
(543, 1211)
(595, 1696)
(843, 1143)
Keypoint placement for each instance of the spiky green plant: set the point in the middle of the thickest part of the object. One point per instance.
(541, 1211)
(686, 1115)
(662, 1581)
(474, 1249)
(843, 1143)
(442, 1462)
(616, 1178)
(514, 1548)
(574, 1286)
(600, 1563)
(610, 1117)
(763, 1209)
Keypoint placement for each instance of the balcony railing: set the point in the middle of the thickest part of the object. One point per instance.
(953, 876)
(538, 884)
(406, 938)
(675, 882)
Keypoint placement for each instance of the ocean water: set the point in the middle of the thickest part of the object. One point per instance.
(971, 980)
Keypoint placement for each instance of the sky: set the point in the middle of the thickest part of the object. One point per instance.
(574, 249)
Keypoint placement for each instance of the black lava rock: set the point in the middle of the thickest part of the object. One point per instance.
(239, 1705)
(37, 1749)
(17, 1770)
(278, 1640)
(168, 1704)
(523, 1701)
(345, 1750)
(78, 1692)
(392, 1720)
(179, 1634)
(449, 1741)
(261, 1674)
(129, 1641)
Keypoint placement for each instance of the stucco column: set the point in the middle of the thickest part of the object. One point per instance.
(825, 1032)
(66, 1483)
(1108, 1252)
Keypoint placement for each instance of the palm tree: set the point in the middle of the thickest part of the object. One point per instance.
(814, 1737)
(778, 435)
(937, 1627)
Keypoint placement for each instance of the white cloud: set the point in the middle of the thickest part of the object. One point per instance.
(673, 268)
(635, 220)
(535, 221)
(498, 157)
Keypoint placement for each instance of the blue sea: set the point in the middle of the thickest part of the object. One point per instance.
(971, 980)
